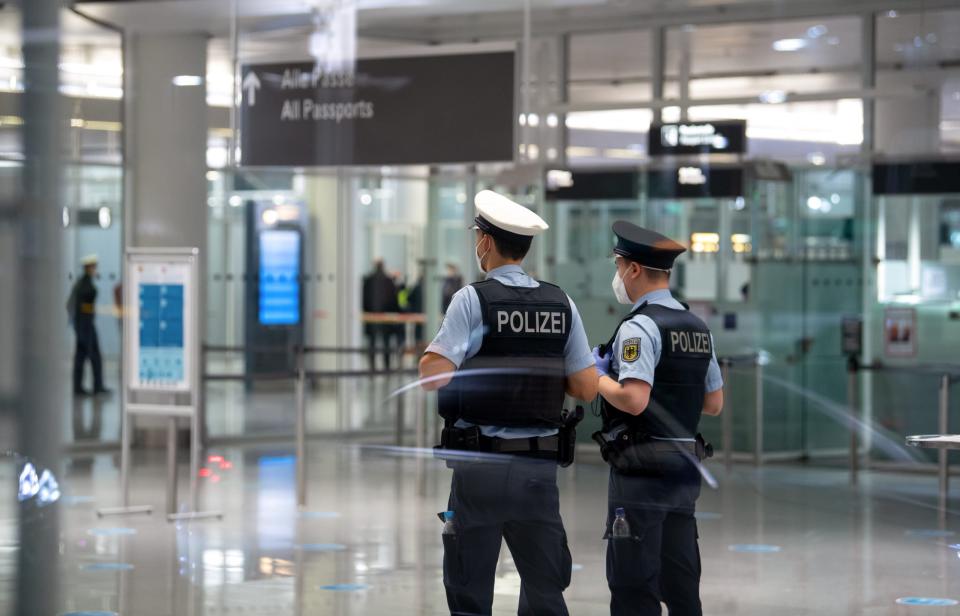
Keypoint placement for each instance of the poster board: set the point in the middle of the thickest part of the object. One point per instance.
(161, 342)
(900, 332)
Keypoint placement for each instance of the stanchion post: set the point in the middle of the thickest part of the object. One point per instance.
(854, 425)
(726, 419)
(301, 427)
(758, 395)
(171, 465)
(942, 455)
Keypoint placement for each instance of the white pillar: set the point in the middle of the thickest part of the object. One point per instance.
(166, 128)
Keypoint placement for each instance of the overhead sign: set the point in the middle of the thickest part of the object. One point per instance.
(417, 110)
(917, 178)
(592, 185)
(722, 137)
(695, 181)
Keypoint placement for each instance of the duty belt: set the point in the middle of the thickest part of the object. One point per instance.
(549, 444)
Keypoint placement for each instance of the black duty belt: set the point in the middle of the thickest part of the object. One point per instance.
(549, 444)
(666, 445)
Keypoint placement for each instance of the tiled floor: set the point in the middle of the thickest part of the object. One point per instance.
(371, 525)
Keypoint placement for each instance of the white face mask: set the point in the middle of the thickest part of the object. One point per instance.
(479, 256)
(619, 289)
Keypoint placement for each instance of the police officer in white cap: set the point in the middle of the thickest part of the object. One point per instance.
(81, 308)
(658, 375)
(508, 350)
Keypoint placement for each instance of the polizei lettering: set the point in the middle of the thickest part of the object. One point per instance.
(689, 342)
(531, 322)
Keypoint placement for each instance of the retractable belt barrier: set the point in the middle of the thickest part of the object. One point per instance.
(300, 375)
(726, 417)
(942, 442)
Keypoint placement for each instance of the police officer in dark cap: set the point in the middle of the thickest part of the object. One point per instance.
(509, 348)
(659, 373)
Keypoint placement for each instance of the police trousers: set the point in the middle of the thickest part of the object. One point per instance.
(661, 559)
(513, 498)
(88, 347)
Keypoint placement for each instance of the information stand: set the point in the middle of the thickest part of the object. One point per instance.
(161, 362)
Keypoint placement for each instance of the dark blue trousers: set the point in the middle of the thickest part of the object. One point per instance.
(516, 499)
(661, 561)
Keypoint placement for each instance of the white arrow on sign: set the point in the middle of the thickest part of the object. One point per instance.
(251, 83)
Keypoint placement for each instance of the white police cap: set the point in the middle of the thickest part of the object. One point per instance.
(498, 215)
(90, 259)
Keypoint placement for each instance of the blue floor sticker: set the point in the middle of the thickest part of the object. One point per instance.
(929, 601)
(107, 567)
(576, 567)
(111, 532)
(89, 613)
(322, 547)
(927, 533)
(319, 515)
(755, 548)
(345, 587)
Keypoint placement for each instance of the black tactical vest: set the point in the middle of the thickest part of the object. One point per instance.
(676, 399)
(517, 379)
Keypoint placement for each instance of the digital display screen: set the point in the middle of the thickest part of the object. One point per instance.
(279, 302)
(161, 334)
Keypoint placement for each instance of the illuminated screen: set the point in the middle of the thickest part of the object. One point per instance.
(279, 277)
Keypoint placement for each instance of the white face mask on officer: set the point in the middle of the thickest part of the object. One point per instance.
(480, 257)
(620, 289)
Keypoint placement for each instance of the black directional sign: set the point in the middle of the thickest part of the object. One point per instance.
(417, 110)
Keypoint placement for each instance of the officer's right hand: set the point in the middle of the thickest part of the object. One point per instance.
(602, 361)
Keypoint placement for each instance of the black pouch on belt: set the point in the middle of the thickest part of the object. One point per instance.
(459, 439)
(568, 436)
(704, 449)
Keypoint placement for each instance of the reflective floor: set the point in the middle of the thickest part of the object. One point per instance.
(780, 540)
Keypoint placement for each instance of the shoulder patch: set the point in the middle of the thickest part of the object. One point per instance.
(631, 350)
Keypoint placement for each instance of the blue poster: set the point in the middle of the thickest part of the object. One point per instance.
(161, 334)
(279, 277)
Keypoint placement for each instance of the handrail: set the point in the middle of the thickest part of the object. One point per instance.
(950, 370)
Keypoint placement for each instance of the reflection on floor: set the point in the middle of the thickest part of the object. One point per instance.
(780, 540)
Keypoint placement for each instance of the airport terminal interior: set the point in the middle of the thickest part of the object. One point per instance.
(230, 228)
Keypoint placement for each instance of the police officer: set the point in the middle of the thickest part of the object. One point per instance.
(658, 374)
(507, 351)
(81, 309)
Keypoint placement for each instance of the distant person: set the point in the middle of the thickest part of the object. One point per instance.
(415, 306)
(379, 295)
(452, 283)
(81, 309)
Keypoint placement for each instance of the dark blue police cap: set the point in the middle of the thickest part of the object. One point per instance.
(646, 247)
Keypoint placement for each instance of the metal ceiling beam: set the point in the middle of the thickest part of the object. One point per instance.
(509, 25)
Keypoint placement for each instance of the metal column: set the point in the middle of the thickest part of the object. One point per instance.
(943, 468)
(758, 391)
(726, 420)
(37, 354)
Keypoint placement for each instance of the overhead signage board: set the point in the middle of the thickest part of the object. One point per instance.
(720, 137)
(390, 111)
(917, 178)
(695, 181)
(562, 185)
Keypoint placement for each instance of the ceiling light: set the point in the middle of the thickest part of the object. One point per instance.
(891, 14)
(366, 198)
(523, 119)
(932, 38)
(552, 120)
(104, 217)
(817, 158)
(235, 201)
(789, 44)
(187, 80)
(816, 31)
(773, 97)
(533, 119)
(814, 203)
(270, 217)
(213, 176)
(835, 198)
(65, 216)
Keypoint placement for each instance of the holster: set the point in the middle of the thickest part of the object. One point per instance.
(627, 451)
(568, 436)
(460, 439)
(704, 449)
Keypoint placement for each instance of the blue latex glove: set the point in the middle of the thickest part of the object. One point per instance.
(602, 361)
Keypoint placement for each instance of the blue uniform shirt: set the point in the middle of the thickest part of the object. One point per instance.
(643, 327)
(461, 335)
